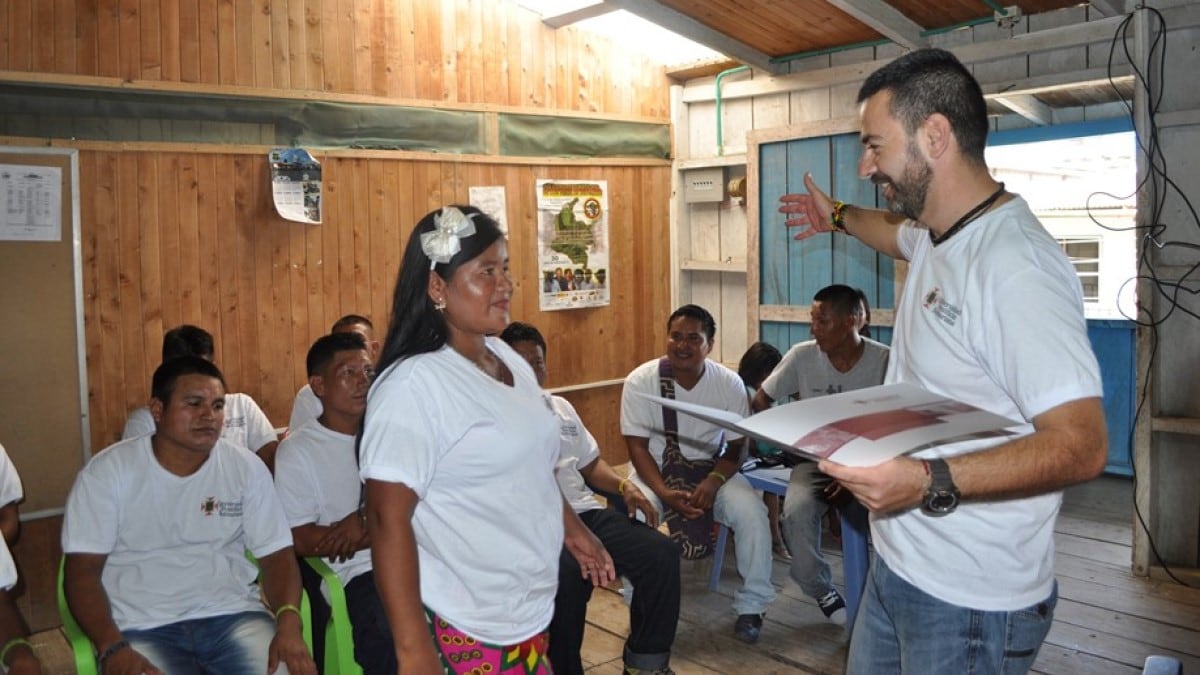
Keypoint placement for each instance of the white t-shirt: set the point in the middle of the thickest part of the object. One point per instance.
(577, 448)
(719, 387)
(246, 425)
(807, 371)
(306, 408)
(10, 481)
(176, 545)
(316, 477)
(992, 317)
(480, 455)
(8, 569)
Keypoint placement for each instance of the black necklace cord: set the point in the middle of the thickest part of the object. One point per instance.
(969, 216)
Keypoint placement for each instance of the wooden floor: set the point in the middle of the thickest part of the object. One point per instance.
(1107, 621)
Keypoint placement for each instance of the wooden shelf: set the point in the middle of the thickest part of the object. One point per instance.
(734, 265)
(710, 162)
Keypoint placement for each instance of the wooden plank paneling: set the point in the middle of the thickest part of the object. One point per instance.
(190, 237)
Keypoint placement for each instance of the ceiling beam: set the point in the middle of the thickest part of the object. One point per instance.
(684, 25)
(1027, 106)
(1108, 7)
(885, 20)
(557, 21)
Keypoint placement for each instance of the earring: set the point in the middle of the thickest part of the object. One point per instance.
(440, 304)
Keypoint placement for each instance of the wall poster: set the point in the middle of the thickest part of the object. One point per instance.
(573, 243)
(296, 184)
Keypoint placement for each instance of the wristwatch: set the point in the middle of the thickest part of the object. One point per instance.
(942, 496)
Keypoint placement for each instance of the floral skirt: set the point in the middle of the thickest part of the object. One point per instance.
(462, 654)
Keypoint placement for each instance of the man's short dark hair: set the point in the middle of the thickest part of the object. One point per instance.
(757, 363)
(187, 340)
(162, 385)
(325, 349)
(518, 331)
(928, 81)
(700, 314)
(842, 299)
(349, 322)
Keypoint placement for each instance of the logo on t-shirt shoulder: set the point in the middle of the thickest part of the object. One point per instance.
(235, 422)
(945, 312)
(212, 506)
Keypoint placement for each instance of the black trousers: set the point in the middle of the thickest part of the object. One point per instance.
(373, 646)
(651, 562)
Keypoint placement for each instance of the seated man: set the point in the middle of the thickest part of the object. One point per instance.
(671, 453)
(11, 495)
(156, 533)
(245, 423)
(16, 654)
(307, 407)
(316, 475)
(837, 359)
(643, 555)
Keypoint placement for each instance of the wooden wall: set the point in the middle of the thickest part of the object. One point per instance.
(191, 237)
(470, 52)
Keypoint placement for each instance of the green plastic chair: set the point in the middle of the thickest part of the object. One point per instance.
(339, 637)
(85, 653)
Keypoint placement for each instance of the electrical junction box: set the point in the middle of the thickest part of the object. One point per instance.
(704, 185)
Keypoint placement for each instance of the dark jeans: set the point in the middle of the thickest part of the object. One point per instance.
(651, 562)
(373, 647)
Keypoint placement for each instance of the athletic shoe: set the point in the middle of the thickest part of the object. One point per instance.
(748, 627)
(834, 607)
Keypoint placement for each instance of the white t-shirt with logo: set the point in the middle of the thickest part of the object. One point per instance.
(316, 475)
(246, 425)
(992, 317)
(176, 545)
(577, 448)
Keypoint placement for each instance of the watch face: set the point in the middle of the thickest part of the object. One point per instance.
(941, 503)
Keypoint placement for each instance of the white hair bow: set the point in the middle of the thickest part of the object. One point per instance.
(442, 242)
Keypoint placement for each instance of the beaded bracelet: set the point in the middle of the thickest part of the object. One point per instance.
(15, 642)
(720, 475)
(110, 651)
(837, 217)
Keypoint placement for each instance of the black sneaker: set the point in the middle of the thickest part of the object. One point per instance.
(639, 671)
(833, 606)
(747, 627)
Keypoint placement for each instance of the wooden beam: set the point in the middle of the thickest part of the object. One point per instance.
(1027, 43)
(557, 21)
(1027, 106)
(684, 25)
(1108, 7)
(886, 20)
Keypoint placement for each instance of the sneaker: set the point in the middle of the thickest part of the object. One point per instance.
(747, 627)
(833, 606)
(780, 552)
(629, 670)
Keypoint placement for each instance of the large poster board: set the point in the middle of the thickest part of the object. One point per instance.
(43, 412)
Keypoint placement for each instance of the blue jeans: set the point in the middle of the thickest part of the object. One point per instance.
(901, 629)
(232, 644)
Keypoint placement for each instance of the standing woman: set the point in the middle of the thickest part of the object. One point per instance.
(458, 452)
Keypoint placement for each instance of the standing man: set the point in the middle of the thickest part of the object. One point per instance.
(837, 359)
(992, 315)
(156, 534)
(666, 450)
(641, 553)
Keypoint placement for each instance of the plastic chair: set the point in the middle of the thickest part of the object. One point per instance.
(339, 635)
(85, 653)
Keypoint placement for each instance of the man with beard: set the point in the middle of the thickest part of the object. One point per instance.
(992, 315)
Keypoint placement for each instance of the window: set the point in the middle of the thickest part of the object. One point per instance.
(1084, 253)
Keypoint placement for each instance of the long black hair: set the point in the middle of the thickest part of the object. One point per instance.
(416, 327)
